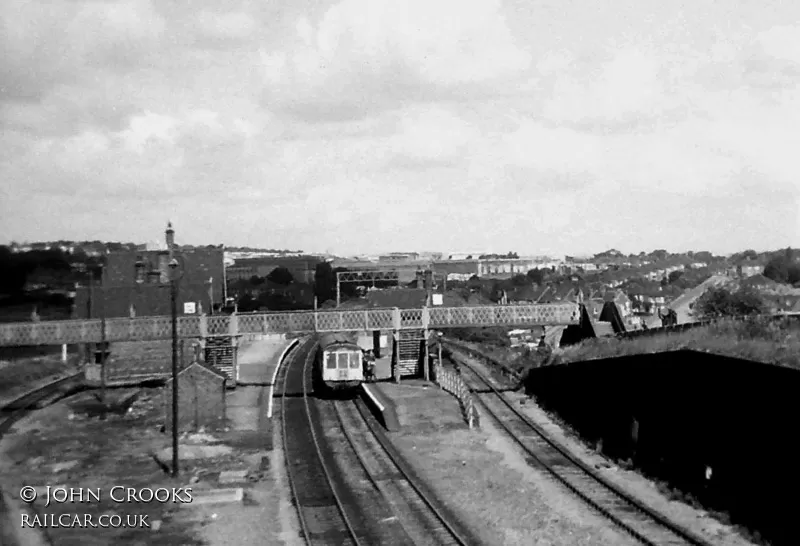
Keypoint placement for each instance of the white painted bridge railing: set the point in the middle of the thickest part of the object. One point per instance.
(199, 326)
(452, 382)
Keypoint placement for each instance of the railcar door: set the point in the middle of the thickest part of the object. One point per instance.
(330, 366)
(356, 359)
(342, 359)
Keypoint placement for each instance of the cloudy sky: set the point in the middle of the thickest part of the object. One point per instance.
(367, 125)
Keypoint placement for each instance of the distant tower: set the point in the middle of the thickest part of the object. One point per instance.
(170, 239)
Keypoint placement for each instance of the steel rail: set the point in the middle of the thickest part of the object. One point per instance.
(651, 516)
(292, 477)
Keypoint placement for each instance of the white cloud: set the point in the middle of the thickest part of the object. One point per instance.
(366, 51)
(630, 84)
(415, 119)
(231, 25)
(782, 42)
(431, 133)
(149, 127)
(44, 44)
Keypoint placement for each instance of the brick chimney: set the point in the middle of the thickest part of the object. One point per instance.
(170, 239)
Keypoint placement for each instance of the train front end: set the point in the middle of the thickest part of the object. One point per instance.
(341, 362)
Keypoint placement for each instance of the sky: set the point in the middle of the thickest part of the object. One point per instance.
(361, 126)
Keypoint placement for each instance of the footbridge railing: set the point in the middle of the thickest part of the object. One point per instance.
(201, 326)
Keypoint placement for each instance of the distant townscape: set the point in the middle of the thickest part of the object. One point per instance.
(62, 279)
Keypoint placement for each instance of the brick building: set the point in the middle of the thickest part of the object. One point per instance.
(302, 268)
(201, 398)
(136, 282)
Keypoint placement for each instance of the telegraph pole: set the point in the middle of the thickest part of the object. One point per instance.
(103, 337)
(173, 285)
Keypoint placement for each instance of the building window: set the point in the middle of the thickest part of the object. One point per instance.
(140, 270)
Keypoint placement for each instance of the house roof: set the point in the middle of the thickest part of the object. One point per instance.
(204, 366)
(403, 298)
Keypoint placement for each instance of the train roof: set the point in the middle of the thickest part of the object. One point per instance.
(336, 338)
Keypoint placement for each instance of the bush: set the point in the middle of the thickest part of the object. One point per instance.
(719, 302)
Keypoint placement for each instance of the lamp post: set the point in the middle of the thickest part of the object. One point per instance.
(103, 341)
(173, 281)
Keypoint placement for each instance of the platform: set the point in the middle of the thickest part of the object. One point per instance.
(382, 406)
(258, 360)
(419, 404)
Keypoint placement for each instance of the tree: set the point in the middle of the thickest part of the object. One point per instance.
(536, 275)
(280, 275)
(749, 254)
(777, 269)
(674, 276)
(324, 282)
(793, 274)
(719, 302)
(703, 256)
(520, 280)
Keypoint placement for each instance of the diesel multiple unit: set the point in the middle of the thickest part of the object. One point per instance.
(339, 362)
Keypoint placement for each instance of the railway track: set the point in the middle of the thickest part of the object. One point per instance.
(19, 407)
(416, 517)
(348, 483)
(634, 517)
(326, 515)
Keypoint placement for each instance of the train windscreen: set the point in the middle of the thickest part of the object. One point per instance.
(342, 360)
(330, 361)
(355, 361)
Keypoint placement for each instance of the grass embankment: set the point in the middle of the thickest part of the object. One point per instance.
(761, 339)
(767, 340)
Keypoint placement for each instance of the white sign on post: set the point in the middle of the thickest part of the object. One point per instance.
(438, 299)
(189, 308)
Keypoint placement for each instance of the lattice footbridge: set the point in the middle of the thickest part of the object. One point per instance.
(201, 326)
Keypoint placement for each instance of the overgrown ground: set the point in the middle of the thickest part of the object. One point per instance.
(485, 479)
(760, 339)
(60, 445)
(768, 340)
(63, 445)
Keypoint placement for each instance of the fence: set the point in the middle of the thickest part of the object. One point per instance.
(452, 383)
